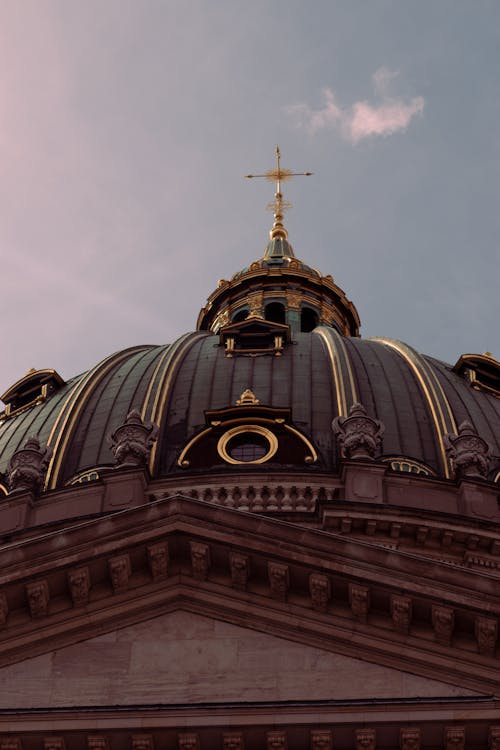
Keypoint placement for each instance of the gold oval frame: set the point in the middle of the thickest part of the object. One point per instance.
(240, 430)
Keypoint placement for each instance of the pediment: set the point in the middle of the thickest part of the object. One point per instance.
(254, 336)
(182, 657)
(254, 324)
(310, 588)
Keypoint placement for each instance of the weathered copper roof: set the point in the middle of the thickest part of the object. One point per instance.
(319, 376)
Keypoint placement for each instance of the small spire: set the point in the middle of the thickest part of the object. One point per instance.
(279, 206)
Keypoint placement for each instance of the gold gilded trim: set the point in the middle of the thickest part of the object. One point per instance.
(239, 420)
(443, 419)
(338, 355)
(167, 353)
(398, 462)
(73, 407)
(30, 375)
(90, 475)
(181, 461)
(240, 425)
(151, 383)
(314, 456)
(354, 393)
(176, 352)
(247, 398)
(243, 430)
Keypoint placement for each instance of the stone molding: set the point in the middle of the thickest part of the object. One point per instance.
(279, 580)
(142, 742)
(306, 493)
(158, 559)
(401, 610)
(366, 727)
(200, 560)
(366, 739)
(37, 594)
(278, 593)
(240, 570)
(410, 738)
(320, 590)
(79, 585)
(119, 571)
(233, 741)
(359, 600)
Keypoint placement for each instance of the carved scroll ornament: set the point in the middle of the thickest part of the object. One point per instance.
(132, 441)
(358, 435)
(28, 466)
(469, 452)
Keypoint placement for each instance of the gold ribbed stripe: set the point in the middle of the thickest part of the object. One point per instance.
(442, 415)
(338, 356)
(147, 399)
(71, 409)
(347, 363)
(169, 364)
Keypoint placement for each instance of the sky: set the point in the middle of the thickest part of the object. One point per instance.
(126, 128)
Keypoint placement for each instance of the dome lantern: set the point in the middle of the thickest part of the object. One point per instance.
(278, 286)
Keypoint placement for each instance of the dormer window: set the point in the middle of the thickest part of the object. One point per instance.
(481, 370)
(30, 390)
(253, 337)
(245, 435)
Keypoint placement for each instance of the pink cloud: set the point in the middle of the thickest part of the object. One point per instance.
(388, 118)
(361, 120)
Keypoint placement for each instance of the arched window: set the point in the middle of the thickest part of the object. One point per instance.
(240, 315)
(308, 320)
(275, 312)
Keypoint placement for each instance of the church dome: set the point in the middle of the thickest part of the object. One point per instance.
(276, 360)
(316, 378)
(270, 525)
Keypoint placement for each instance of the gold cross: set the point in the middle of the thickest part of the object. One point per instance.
(279, 206)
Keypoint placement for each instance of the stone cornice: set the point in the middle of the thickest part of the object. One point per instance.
(252, 724)
(465, 504)
(309, 585)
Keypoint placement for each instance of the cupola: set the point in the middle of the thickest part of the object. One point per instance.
(278, 287)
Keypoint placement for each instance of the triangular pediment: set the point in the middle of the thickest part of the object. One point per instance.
(308, 588)
(183, 657)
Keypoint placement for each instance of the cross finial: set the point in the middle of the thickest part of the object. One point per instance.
(278, 206)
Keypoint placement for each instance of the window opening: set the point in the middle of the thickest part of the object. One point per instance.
(241, 315)
(275, 312)
(248, 448)
(308, 320)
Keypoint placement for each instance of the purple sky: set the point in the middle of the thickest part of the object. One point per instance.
(126, 129)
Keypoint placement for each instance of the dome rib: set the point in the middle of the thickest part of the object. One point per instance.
(67, 419)
(107, 408)
(483, 413)
(165, 377)
(345, 387)
(440, 409)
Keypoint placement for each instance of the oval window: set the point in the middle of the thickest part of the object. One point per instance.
(248, 448)
(247, 444)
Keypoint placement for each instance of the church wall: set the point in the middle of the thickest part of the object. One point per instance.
(186, 658)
